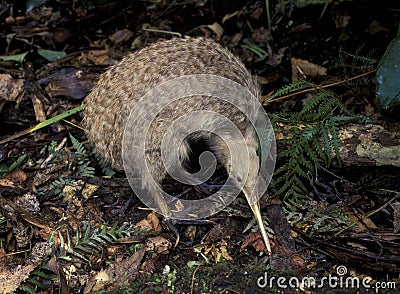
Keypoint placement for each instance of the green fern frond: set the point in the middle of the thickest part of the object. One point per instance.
(315, 139)
(294, 87)
(80, 150)
(84, 246)
(310, 109)
(84, 168)
(105, 167)
(357, 61)
(56, 186)
(34, 283)
(334, 128)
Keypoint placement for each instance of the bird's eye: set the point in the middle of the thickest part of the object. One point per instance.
(239, 179)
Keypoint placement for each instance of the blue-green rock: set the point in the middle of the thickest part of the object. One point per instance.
(388, 77)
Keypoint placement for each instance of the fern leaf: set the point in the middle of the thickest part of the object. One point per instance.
(335, 138)
(80, 150)
(296, 86)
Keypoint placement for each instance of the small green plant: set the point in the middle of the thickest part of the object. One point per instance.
(81, 247)
(9, 166)
(56, 186)
(78, 249)
(315, 138)
(249, 45)
(34, 284)
(316, 217)
(84, 168)
(170, 280)
(105, 167)
(352, 63)
(135, 247)
(355, 63)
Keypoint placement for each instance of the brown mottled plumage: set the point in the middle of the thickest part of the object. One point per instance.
(120, 88)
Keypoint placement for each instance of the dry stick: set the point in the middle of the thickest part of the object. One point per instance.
(51, 156)
(315, 88)
(193, 277)
(72, 124)
(162, 31)
(371, 212)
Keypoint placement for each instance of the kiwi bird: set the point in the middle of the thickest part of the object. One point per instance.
(119, 90)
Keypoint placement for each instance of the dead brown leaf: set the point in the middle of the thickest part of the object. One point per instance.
(341, 21)
(254, 240)
(38, 107)
(158, 244)
(69, 82)
(376, 27)
(121, 36)
(16, 176)
(99, 57)
(11, 278)
(299, 28)
(10, 89)
(215, 251)
(261, 36)
(7, 183)
(275, 58)
(217, 29)
(302, 68)
(264, 80)
(117, 274)
(2, 256)
(150, 223)
(221, 231)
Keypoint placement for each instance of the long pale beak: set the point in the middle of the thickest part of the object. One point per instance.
(257, 213)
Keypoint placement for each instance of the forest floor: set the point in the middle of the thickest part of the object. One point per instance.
(70, 224)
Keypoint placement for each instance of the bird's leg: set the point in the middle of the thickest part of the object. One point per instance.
(207, 189)
(165, 211)
(171, 225)
(163, 207)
